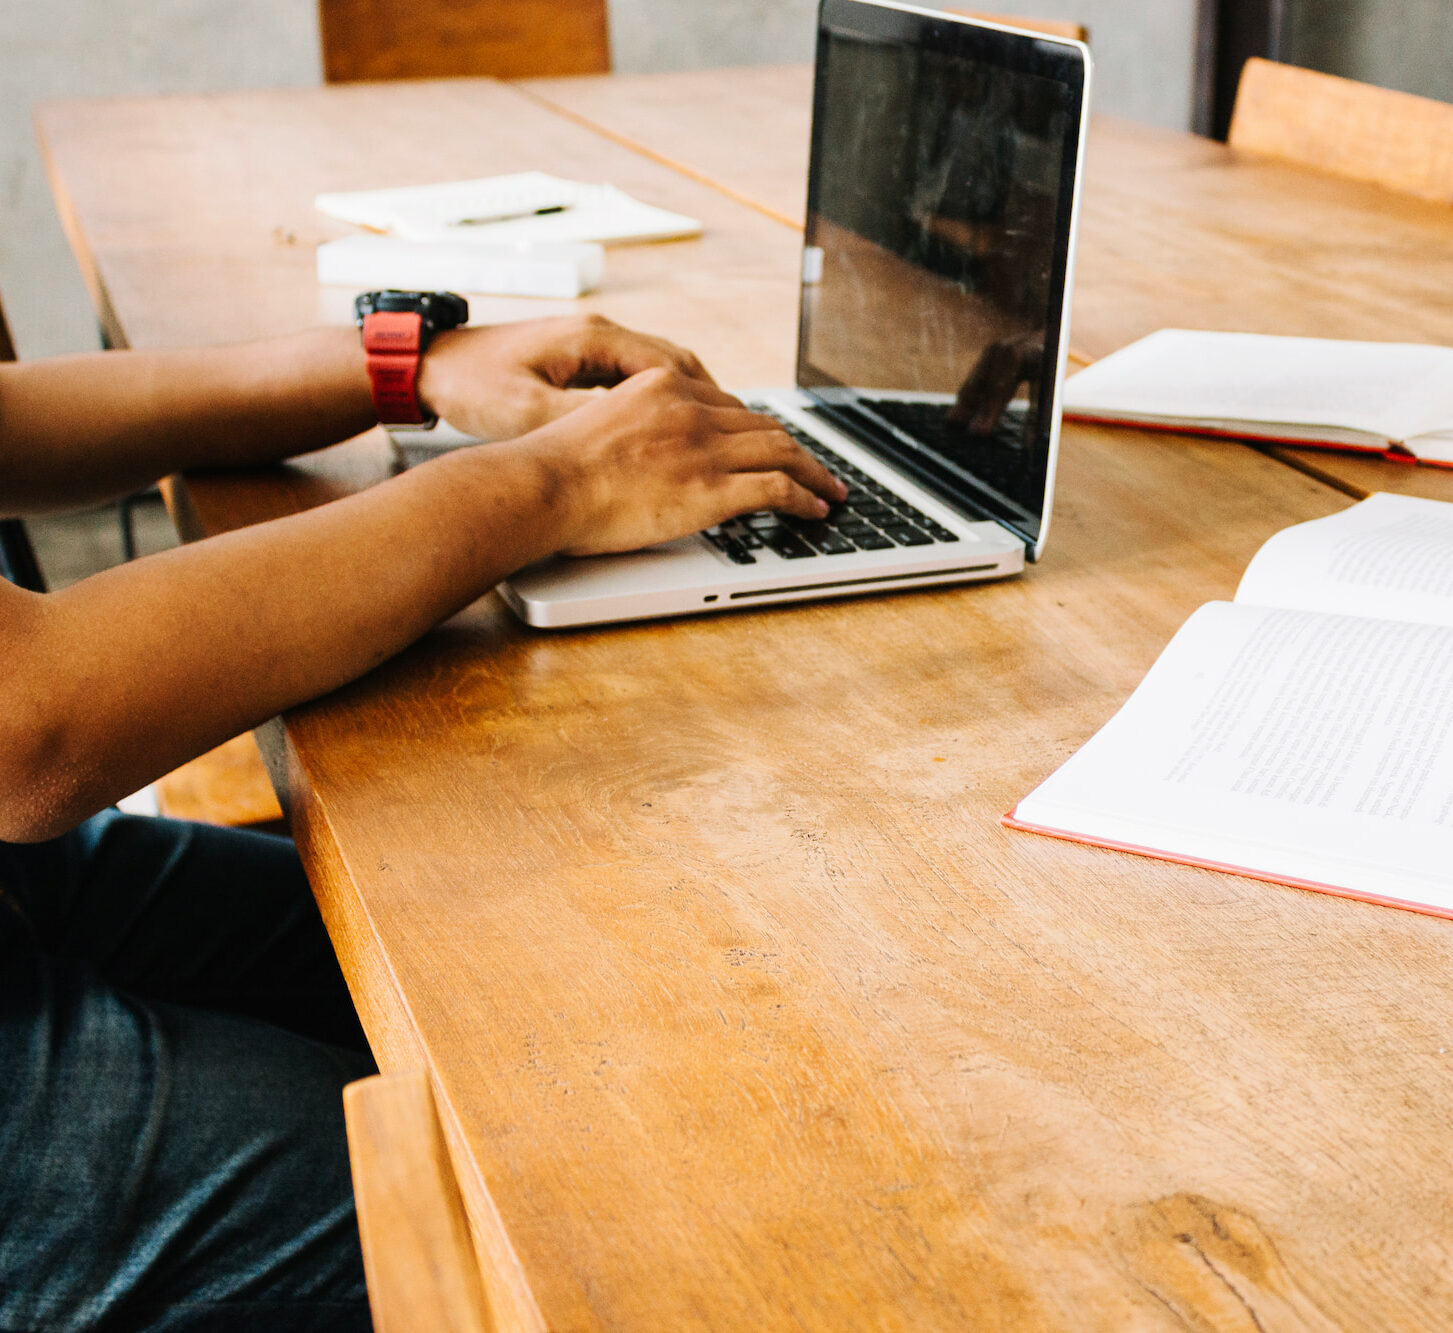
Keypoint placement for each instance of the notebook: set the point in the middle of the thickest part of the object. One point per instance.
(1302, 733)
(1390, 398)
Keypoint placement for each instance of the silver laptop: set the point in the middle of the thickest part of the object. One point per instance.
(943, 200)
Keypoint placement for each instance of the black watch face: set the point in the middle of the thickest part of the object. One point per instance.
(440, 310)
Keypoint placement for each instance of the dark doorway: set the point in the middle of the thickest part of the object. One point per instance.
(1228, 33)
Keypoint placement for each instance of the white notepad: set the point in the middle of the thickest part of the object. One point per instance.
(1392, 398)
(506, 210)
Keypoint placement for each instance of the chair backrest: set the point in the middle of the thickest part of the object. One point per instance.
(1054, 27)
(436, 39)
(1346, 128)
(17, 558)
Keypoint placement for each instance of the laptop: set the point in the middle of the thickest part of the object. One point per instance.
(943, 198)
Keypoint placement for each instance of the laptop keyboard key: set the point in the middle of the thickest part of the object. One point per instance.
(822, 538)
(729, 547)
(789, 545)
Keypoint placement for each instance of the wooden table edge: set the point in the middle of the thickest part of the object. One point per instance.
(112, 334)
(388, 1021)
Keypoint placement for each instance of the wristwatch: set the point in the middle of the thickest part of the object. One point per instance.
(397, 327)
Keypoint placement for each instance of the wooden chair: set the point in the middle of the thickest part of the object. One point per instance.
(418, 1257)
(1349, 129)
(1054, 27)
(435, 39)
(228, 785)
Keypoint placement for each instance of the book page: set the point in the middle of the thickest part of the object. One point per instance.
(1436, 447)
(1390, 556)
(1426, 416)
(1380, 389)
(1288, 743)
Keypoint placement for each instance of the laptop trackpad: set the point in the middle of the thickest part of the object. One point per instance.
(687, 560)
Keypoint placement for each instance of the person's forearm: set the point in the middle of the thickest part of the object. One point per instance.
(109, 684)
(128, 674)
(83, 429)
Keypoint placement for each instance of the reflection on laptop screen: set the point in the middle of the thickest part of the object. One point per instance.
(937, 242)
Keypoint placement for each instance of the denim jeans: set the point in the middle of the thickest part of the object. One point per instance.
(174, 1038)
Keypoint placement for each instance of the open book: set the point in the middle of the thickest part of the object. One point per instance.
(1391, 398)
(1302, 733)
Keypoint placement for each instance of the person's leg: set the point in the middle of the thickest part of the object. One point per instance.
(218, 918)
(163, 1168)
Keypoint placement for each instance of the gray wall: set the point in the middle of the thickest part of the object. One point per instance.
(1144, 52)
(1404, 44)
(1144, 49)
(69, 48)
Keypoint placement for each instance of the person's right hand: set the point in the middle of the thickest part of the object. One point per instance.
(665, 454)
(499, 381)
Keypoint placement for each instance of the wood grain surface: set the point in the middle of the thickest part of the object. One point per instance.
(417, 1251)
(743, 131)
(442, 39)
(1177, 231)
(1351, 129)
(742, 1009)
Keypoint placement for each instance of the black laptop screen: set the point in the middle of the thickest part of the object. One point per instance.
(938, 236)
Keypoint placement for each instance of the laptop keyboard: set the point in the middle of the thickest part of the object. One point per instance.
(998, 458)
(872, 518)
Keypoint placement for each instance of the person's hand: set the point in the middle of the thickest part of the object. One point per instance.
(504, 380)
(668, 453)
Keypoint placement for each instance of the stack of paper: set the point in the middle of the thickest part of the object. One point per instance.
(527, 234)
(529, 206)
(371, 261)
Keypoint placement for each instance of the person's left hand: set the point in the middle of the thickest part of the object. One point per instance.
(499, 381)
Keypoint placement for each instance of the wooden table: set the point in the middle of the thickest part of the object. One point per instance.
(741, 1008)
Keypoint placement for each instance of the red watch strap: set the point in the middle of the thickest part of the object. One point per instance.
(393, 341)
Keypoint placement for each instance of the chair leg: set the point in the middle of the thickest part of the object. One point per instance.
(126, 517)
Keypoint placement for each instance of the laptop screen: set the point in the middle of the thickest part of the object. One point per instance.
(940, 209)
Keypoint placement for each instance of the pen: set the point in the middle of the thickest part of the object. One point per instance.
(513, 217)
